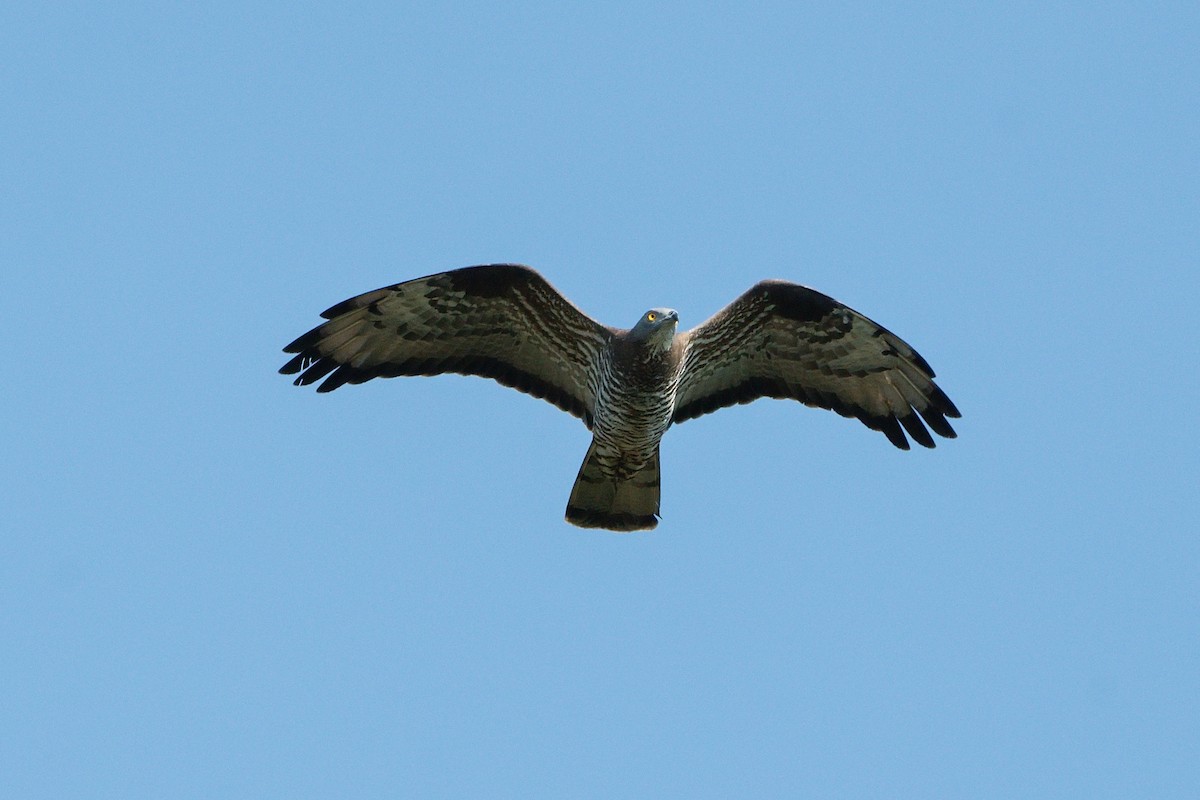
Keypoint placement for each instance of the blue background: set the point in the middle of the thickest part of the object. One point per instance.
(213, 584)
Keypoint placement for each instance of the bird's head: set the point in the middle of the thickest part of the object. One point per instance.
(657, 327)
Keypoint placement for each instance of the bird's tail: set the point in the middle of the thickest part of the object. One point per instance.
(601, 501)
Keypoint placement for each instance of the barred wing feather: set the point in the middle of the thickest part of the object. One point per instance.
(783, 340)
(500, 321)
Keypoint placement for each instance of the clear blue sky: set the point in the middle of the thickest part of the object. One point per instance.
(213, 584)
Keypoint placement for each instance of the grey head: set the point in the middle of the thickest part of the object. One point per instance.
(656, 327)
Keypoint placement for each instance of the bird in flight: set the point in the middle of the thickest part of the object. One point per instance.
(506, 322)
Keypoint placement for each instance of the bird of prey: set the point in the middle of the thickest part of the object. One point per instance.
(506, 322)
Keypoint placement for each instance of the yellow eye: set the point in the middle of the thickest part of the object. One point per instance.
(650, 317)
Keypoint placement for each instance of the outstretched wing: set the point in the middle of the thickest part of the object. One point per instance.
(788, 341)
(501, 321)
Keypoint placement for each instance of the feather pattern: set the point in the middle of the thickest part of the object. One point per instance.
(783, 340)
(500, 321)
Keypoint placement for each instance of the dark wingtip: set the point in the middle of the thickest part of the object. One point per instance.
(912, 424)
(889, 427)
(945, 404)
(293, 366)
(934, 419)
(304, 340)
(342, 375)
(317, 368)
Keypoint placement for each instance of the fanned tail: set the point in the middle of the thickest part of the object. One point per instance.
(600, 501)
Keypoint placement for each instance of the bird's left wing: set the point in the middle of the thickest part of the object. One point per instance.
(788, 341)
(501, 321)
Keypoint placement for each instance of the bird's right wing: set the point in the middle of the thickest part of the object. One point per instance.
(788, 341)
(501, 321)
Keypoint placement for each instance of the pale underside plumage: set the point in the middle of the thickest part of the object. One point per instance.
(506, 322)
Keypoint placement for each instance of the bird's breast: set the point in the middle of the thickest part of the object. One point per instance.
(634, 407)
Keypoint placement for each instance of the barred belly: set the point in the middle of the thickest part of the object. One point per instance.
(633, 411)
